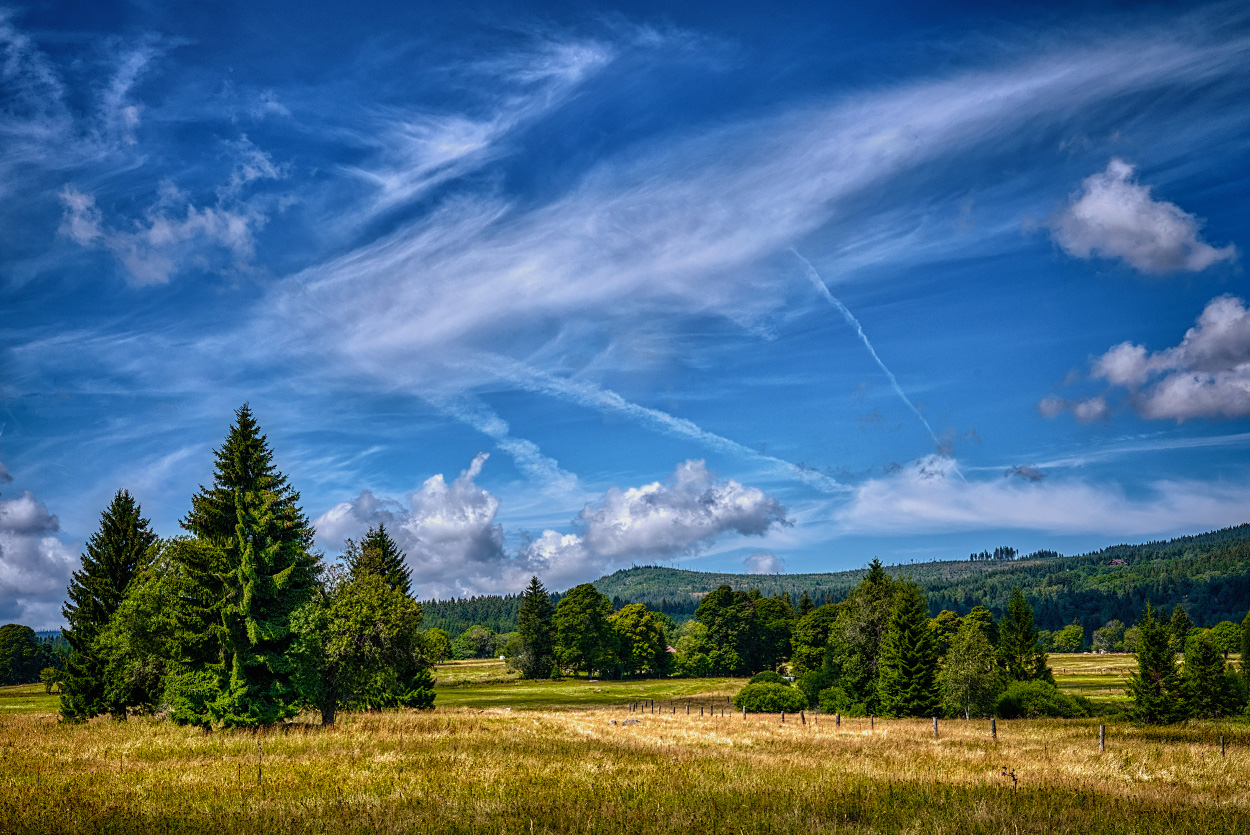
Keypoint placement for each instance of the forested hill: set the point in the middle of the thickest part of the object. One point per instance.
(1208, 573)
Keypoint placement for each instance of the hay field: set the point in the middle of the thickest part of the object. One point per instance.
(572, 757)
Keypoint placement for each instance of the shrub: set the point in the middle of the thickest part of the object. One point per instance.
(836, 700)
(767, 697)
(1029, 699)
(768, 677)
(811, 683)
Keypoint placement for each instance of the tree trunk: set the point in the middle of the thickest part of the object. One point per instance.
(327, 713)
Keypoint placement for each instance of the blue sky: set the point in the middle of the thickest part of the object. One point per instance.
(563, 288)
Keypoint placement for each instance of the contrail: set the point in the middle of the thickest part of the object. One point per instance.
(853, 322)
(585, 394)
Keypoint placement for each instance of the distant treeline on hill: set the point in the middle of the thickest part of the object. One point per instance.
(1208, 574)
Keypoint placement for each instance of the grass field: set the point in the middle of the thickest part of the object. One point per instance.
(499, 755)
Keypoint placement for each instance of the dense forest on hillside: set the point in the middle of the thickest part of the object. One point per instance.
(1208, 574)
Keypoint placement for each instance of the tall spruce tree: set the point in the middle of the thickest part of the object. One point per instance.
(907, 684)
(377, 553)
(538, 639)
(252, 566)
(1209, 689)
(1180, 627)
(1019, 653)
(276, 575)
(1156, 686)
(114, 555)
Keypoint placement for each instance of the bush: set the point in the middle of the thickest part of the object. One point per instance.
(767, 697)
(1029, 699)
(811, 683)
(836, 700)
(768, 677)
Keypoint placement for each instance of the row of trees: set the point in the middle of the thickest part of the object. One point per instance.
(239, 623)
(1115, 637)
(24, 656)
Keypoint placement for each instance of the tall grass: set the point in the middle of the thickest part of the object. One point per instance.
(465, 770)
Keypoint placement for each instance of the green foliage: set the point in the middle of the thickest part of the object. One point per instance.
(1156, 687)
(437, 645)
(114, 554)
(1018, 652)
(769, 677)
(811, 683)
(475, 642)
(21, 656)
(377, 553)
(537, 651)
(642, 648)
(1179, 627)
(944, 625)
(908, 661)
(51, 677)
(584, 638)
(1071, 638)
(1032, 699)
(810, 639)
(698, 656)
(768, 697)
(1109, 637)
(1227, 636)
(970, 680)
(1208, 686)
(359, 645)
(1245, 647)
(855, 643)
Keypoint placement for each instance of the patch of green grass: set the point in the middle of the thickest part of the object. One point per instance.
(546, 694)
(28, 698)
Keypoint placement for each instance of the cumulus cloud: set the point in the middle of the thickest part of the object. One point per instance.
(927, 496)
(763, 562)
(455, 547)
(35, 565)
(1113, 216)
(174, 233)
(1206, 375)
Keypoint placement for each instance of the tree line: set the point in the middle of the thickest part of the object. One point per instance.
(238, 623)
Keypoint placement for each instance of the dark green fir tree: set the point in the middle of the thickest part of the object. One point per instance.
(1156, 686)
(538, 639)
(114, 554)
(276, 576)
(1210, 690)
(907, 684)
(377, 553)
(1019, 653)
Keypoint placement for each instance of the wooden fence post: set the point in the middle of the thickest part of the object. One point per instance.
(935, 736)
(837, 720)
(744, 713)
(783, 717)
(1222, 754)
(1102, 738)
(994, 730)
(872, 723)
(802, 717)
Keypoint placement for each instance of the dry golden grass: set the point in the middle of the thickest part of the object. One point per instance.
(496, 770)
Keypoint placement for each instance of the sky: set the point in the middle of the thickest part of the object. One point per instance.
(557, 289)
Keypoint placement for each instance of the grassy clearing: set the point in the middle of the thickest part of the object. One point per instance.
(459, 770)
(28, 698)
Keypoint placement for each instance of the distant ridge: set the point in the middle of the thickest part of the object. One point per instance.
(1207, 573)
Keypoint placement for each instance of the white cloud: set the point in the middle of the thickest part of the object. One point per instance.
(1088, 410)
(1206, 375)
(455, 547)
(764, 562)
(1115, 217)
(174, 233)
(927, 497)
(35, 565)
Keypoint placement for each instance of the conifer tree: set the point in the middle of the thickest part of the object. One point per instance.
(534, 623)
(1019, 654)
(1180, 626)
(908, 664)
(805, 604)
(114, 555)
(1156, 686)
(377, 553)
(1209, 690)
(245, 465)
(276, 575)
(1245, 649)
